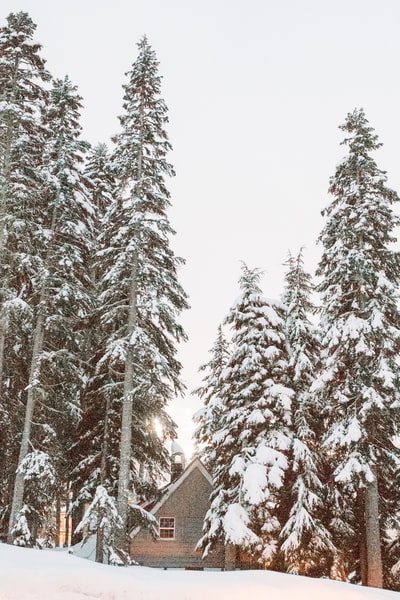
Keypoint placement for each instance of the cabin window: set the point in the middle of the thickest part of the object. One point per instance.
(167, 528)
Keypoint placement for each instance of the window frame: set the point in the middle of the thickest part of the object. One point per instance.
(167, 528)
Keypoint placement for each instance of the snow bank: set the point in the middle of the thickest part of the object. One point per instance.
(56, 575)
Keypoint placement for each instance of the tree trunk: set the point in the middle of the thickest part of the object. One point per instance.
(372, 537)
(372, 533)
(9, 136)
(127, 406)
(363, 560)
(127, 409)
(100, 540)
(3, 331)
(38, 337)
(19, 483)
(6, 171)
(67, 522)
(58, 521)
(103, 475)
(362, 549)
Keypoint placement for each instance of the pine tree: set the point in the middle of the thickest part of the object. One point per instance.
(93, 453)
(253, 440)
(141, 296)
(208, 417)
(305, 542)
(359, 380)
(61, 295)
(23, 94)
(101, 518)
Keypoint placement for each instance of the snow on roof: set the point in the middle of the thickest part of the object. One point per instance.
(176, 448)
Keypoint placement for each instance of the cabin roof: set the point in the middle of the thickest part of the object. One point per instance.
(172, 487)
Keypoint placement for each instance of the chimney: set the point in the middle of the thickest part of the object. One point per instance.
(177, 461)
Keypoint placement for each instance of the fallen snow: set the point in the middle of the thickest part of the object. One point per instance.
(56, 575)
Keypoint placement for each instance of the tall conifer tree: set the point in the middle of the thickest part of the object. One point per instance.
(141, 296)
(23, 95)
(60, 297)
(95, 450)
(360, 322)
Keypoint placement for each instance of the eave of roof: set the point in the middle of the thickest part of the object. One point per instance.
(195, 464)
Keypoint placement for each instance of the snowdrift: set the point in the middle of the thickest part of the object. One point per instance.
(56, 575)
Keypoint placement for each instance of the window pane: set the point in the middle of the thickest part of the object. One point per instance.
(167, 522)
(167, 528)
(166, 534)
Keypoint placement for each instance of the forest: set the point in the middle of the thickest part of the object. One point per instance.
(300, 418)
(89, 299)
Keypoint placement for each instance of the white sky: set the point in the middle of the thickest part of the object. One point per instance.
(255, 90)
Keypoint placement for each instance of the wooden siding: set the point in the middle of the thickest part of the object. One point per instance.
(188, 504)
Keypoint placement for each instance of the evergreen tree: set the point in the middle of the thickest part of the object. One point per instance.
(61, 294)
(141, 296)
(98, 169)
(359, 380)
(208, 417)
(93, 454)
(253, 440)
(102, 519)
(23, 96)
(305, 542)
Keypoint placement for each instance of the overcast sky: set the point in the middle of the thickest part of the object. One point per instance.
(256, 90)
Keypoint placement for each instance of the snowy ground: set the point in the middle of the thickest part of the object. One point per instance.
(55, 575)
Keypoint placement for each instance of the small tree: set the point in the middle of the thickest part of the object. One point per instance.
(35, 516)
(208, 417)
(305, 541)
(253, 436)
(101, 519)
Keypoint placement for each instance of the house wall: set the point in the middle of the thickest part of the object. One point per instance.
(188, 504)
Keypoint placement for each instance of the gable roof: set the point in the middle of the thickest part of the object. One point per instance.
(172, 487)
(153, 507)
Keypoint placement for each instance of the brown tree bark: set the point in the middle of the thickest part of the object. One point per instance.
(372, 533)
(103, 474)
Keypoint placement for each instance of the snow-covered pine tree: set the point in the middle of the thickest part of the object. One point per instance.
(23, 80)
(141, 297)
(35, 519)
(253, 440)
(93, 453)
(101, 519)
(208, 417)
(358, 383)
(22, 97)
(61, 293)
(98, 170)
(304, 540)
